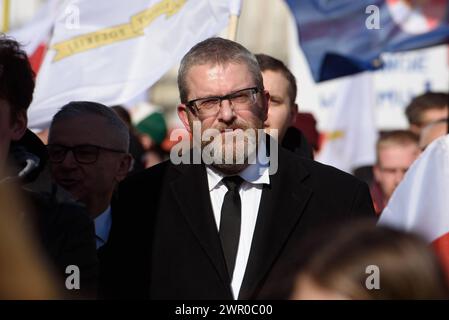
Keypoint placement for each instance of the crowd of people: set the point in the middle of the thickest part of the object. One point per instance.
(101, 212)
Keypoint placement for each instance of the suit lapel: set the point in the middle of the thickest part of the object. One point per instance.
(192, 194)
(280, 209)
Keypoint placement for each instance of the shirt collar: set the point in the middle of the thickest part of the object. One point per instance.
(255, 173)
(213, 177)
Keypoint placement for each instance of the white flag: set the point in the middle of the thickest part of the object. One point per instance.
(114, 50)
(351, 133)
(420, 202)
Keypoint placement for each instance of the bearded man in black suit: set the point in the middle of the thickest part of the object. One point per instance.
(220, 221)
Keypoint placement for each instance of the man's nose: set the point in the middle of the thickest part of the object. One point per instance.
(226, 113)
(69, 160)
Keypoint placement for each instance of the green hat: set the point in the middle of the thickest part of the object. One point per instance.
(154, 125)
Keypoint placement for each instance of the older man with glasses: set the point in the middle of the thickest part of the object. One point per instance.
(88, 152)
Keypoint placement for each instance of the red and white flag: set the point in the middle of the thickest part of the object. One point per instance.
(420, 202)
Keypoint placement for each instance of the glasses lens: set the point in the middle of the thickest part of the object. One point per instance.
(86, 154)
(240, 100)
(243, 98)
(56, 153)
(208, 104)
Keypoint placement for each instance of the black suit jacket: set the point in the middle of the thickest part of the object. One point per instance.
(168, 247)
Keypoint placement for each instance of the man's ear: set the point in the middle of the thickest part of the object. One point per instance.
(124, 167)
(19, 125)
(183, 115)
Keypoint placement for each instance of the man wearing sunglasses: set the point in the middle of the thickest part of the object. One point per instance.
(223, 229)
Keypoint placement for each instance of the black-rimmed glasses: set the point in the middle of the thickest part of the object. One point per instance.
(210, 106)
(84, 154)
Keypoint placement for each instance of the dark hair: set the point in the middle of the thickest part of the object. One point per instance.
(408, 268)
(267, 62)
(424, 102)
(217, 51)
(16, 76)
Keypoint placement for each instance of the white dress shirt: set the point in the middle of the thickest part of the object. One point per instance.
(254, 176)
(103, 227)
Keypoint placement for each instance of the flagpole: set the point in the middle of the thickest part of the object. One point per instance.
(6, 6)
(234, 13)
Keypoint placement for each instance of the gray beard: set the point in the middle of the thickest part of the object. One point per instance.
(233, 156)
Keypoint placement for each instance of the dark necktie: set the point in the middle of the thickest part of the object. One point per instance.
(230, 221)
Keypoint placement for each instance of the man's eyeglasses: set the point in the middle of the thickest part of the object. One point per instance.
(84, 154)
(210, 106)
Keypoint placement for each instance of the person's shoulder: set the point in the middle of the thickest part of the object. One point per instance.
(327, 170)
(149, 175)
(146, 183)
(345, 193)
(322, 173)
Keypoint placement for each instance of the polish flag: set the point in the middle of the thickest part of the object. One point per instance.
(420, 202)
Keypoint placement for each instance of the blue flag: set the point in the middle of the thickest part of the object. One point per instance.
(343, 37)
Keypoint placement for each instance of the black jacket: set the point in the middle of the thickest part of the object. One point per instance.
(65, 231)
(166, 244)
